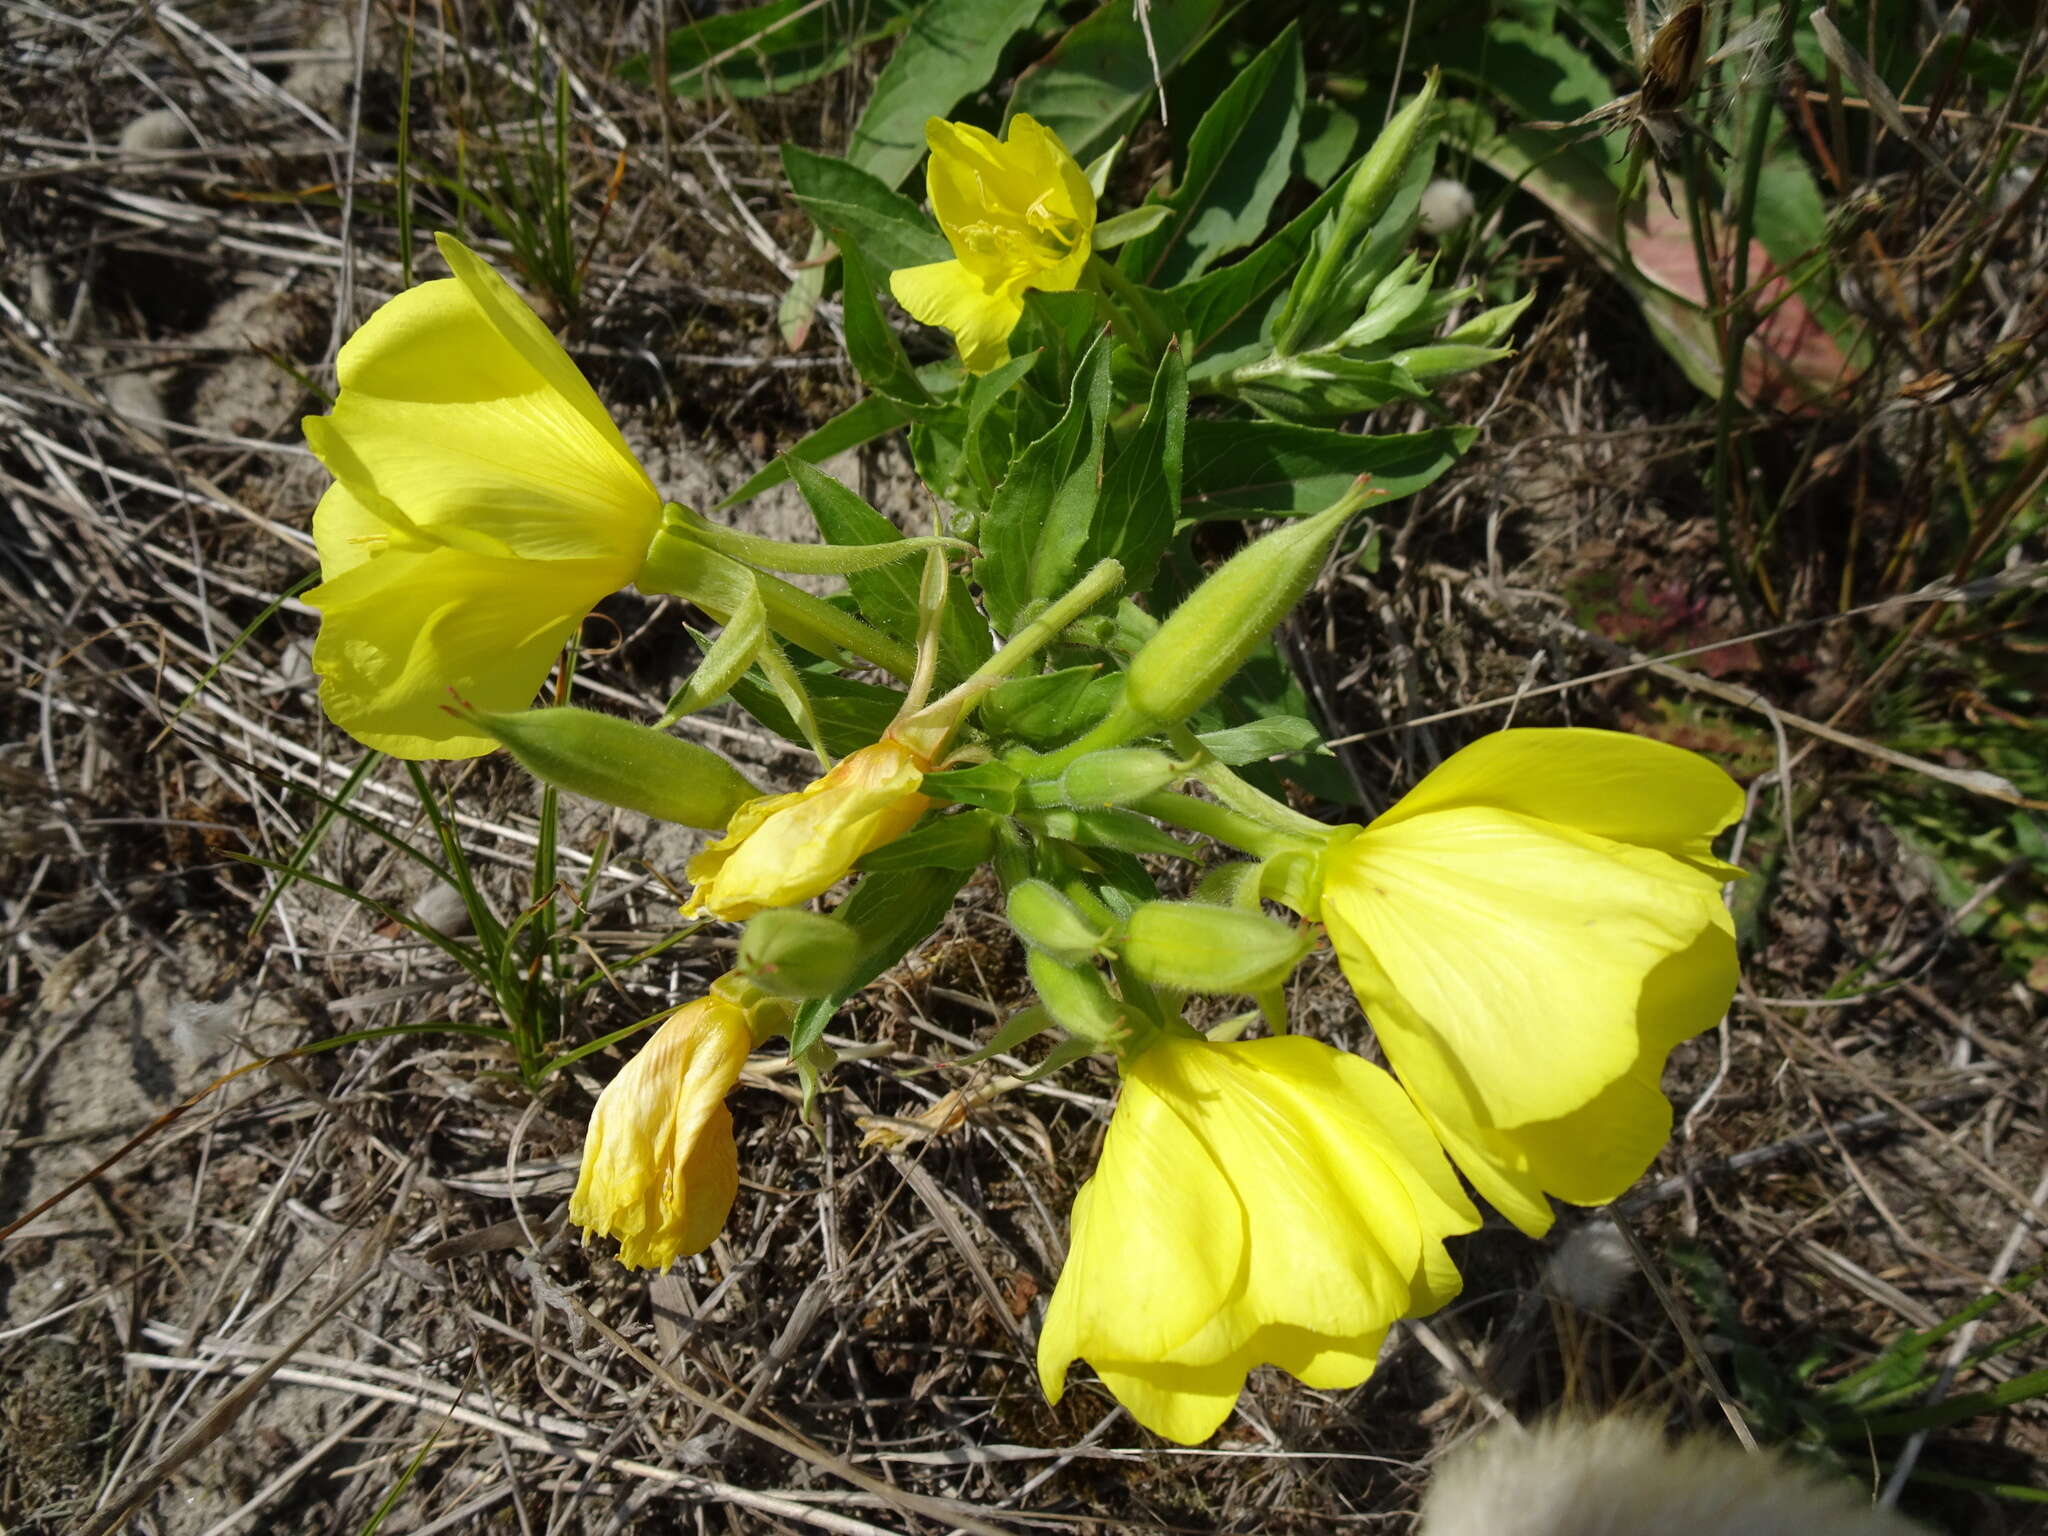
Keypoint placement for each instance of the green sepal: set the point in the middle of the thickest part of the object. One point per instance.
(1122, 830)
(964, 841)
(992, 786)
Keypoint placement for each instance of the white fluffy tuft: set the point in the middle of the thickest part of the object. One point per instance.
(1619, 1477)
(1590, 1266)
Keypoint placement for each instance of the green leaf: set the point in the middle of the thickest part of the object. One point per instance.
(1128, 226)
(1260, 468)
(1225, 314)
(850, 714)
(992, 786)
(1098, 79)
(770, 48)
(859, 423)
(1040, 519)
(845, 200)
(1051, 708)
(1237, 162)
(963, 841)
(872, 345)
(892, 911)
(950, 51)
(1274, 736)
(1329, 136)
(1125, 831)
(1140, 496)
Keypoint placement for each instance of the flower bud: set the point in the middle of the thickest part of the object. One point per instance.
(1433, 362)
(793, 953)
(1116, 777)
(1078, 999)
(1192, 947)
(619, 762)
(1328, 283)
(1216, 629)
(1047, 921)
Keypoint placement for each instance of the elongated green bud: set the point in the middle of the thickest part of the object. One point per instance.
(1210, 635)
(1116, 777)
(1047, 921)
(1378, 177)
(1078, 999)
(1195, 947)
(1366, 195)
(1433, 362)
(794, 953)
(619, 762)
(1190, 946)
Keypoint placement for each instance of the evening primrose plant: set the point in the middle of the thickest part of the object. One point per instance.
(1050, 686)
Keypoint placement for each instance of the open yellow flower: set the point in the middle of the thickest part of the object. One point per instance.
(1531, 929)
(1018, 213)
(1265, 1202)
(483, 503)
(660, 1171)
(783, 849)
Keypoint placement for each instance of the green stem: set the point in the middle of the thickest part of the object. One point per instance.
(680, 566)
(1742, 318)
(1238, 793)
(1157, 337)
(804, 559)
(1218, 823)
(928, 730)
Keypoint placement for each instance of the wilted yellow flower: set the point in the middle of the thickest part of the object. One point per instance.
(1018, 213)
(1265, 1202)
(1532, 928)
(660, 1171)
(483, 502)
(783, 849)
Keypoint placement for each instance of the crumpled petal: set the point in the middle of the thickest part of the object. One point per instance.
(1261, 1202)
(946, 293)
(1531, 930)
(785, 849)
(660, 1171)
(409, 632)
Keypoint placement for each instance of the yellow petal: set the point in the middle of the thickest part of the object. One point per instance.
(947, 294)
(346, 533)
(407, 632)
(1157, 1183)
(974, 180)
(1526, 983)
(459, 416)
(785, 849)
(1614, 785)
(1523, 946)
(1067, 203)
(1265, 1202)
(660, 1171)
(1591, 1155)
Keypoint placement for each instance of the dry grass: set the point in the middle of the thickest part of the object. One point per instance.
(347, 1276)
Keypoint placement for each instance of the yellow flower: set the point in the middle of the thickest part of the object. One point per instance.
(1531, 929)
(1018, 213)
(660, 1171)
(783, 849)
(1266, 1202)
(483, 502)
